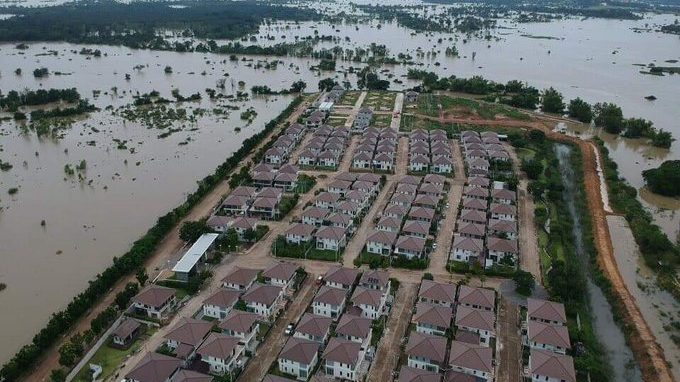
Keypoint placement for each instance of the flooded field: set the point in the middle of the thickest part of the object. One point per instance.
(126, 187)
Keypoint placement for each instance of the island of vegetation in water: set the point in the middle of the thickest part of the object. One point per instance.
(665, 179)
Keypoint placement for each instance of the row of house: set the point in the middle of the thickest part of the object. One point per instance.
(479, 150)
(252, 202)
(377, 150)
(430, 152)
(545, 333)
(326, 148)
(284, 145)
(285, 177)
(406, 221)
(337, 330)
(443, 309)
(330, 220)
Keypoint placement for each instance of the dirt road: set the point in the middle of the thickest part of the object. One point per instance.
(509, 343)
(387, 354)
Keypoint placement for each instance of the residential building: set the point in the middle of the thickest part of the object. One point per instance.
(372, 302)
(410, 374)
(425, 351)
(466, 249)
(220, 303)
(341, 277)
(342, 359)
(356, 329)
(220, 352)
(281, 274)
(547, 366)
(154, 301)
(472, 360)
(432, 319)
(501, 250)
(298, 358)
(154, 367)
(381, 242)
(313, 328)
(299, 233)
(330, 238)
(244, 325)
(548, 312)
(124, 335)
(410, 247)
(554, 338)
(240, 278)
(433, 292)
(477, 321)
(263, 299)
(186, 336)
(329, 302)
(376, 279)
(477, 298)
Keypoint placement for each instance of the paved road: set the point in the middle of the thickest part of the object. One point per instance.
(508, 343)
(267, 352)
(387, 355)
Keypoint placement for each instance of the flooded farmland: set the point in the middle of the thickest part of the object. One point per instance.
(124, 190)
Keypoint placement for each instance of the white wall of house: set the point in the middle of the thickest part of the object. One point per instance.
(327, 310)
(459, 254)
(552, 348)
(216, 311)
(477, 373)
(422, 363)
(378, 248)
(300, 371)
(342, 371)
(430, 329)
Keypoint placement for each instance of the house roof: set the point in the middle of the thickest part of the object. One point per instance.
(328, 197)
(395, 209)
(477, 296)
(371, 178)
(270, 192)
(398, 198)
(362, 185)
(417, 227)
(502, 245)
(262, 167)
(476, 191)
(375, 277)
(343, 351)
(433, 290)
(467, 336)
(390, 222)
(347, 176)
(419, 158)
(244, 191)
(426, 200)
(552, 365)
(218, 221)
(191, 376)
(241, 276)
(410, 374)
(473, 215)
(503, 225)
(474, 204)
(126, 328)
(406, 188)
(382, 237)
(471, 228)
(330, 233)
(441, 160)
(366, 296)
(314, 325)
(327, 154)
(285, 177)
(410, 179)
(218, 345)
(223, 298)
(341, 275)
(154, 295)
(235, 200)
(432, 314)
(329, 295)
(479, 181)
(281, 271)
(556, 335)
(354, 326)
(299, 350)
(265, 202)
(362, 156)
(340, 184)
(262, 293)
(475, 318)
(426, 346)
(434, 178)
(410, 243)
(505, 209)
(470, 356)
(239, 321)
(244, 223)
(546, 310)
(468, 243)
(275, 378)
(189, 331)
(422, 213)
(154, 367)
(339, 218)
(348, 206)
(431, 188)
(357, 195)
(300, 229)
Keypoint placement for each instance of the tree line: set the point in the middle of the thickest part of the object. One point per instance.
(61, 322)
(14, 99)
(515, 93)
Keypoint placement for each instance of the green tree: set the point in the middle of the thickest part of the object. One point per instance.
(580, 110)
(532, 168)
(190, 231)
(663, 139)
(327, 84)
(123, 297)
(552, 101)
(665, 179)
(524, 282)
(609, 116)
(58, 375)
(326, 64)
(298, 86)
(142, 276)
(638, 127)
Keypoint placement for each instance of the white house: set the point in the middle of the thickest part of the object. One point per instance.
(298, 358)
(341, 277)
(432, 319)
(501, 249)
(329, 302)
(356, 329)
(299, 233)
(154, 301)
(220, 303)
(240, 279)
(477, 321)
(220, 352)
(370, 301)
(381, 242)
(342, 359)
(472, 360)
(313, 328)
(330, 238)
(554, 338)
(426, 352)
(281, 274)
(263, 299)
(547, 366)
(243, 325)
(466, 249)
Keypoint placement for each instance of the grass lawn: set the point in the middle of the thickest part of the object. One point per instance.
(109, 358)
(410, 122)
(428, 104)
(380, 100)
(525, 154)
(349, 98)
(336, 121)
(324, 255)
(381, 120)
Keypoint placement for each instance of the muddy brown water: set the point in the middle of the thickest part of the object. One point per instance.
(91, 223)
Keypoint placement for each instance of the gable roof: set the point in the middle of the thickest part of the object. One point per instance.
(546, 310)
(343, 351)
(154, 367)
(438, 291)
(426, 346)
(552, 365)
(470, 356)
(299, 350)
(476, 296)
(189, 331)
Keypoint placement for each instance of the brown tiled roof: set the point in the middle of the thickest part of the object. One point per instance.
(478, 181)
(235, 200)
(413, 226)
(261, 293)
(431, 188)
(502, 245)
(366, 296)
(471, 228)
(552, 365)
(354, 326)
(328, 232)
(341, 275)
(154, 295)
(154, 367)
(244, 223)
(470, 356)
(467, 336)
(341, 184)
(383, 237)
(425, 200)
(314, 325)
(348, 206)
(500, 208)
(328, 295)
(476, 191)
(556, 335)
(218, 221)
(434, 178)
(299, 350)
(328, 197)
(362, 156)
(410, 374)
(371, 178)
(281, 270)
(390, 222)
(223, 298)
(410, 243)
(474, 318)
(339, 218)
(300, 229)
(546, 310)
(473, 215)
(244, 191)
(394, 209)
(239, 321)
(421, 212)
(438, 291)
(348, 176)
(402, 198)
(343, 351)
(502, 226)
(375, 277)
(189, 331)
(218, 345)
(191, 376)
(433, 315)
(127, 327)
(405, 188)
(410, 179)
(241, 276)
(426, 346)
(476, 296)
(265, 202)
(474, 204)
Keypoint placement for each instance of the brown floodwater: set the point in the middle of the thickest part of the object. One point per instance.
(90, 222)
